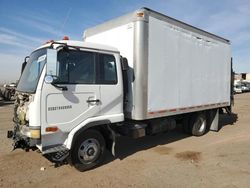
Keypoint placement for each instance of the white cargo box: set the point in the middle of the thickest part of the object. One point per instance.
(175, 68)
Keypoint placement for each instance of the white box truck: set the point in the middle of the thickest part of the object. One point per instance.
(136, 75)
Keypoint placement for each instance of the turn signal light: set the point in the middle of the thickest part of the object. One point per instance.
(51, 129)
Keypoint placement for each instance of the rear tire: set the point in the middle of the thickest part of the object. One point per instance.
(88, 151)
(198, 124)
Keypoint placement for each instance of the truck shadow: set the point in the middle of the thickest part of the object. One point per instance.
(226, 119)
(126, 146)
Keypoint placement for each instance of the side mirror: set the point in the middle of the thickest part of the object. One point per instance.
(124, 63)
(52, 69)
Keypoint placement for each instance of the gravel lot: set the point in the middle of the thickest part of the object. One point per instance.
(174, 159)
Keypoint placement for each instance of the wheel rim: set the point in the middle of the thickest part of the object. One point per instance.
(89, 151)
(202, 123)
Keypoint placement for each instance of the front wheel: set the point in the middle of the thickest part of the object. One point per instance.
(88, 150)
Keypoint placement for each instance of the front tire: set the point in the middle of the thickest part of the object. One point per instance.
(88, 151)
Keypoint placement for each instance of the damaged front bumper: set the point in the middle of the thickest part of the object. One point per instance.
(24, 137)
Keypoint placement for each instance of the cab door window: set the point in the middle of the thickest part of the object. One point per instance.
(107, 69)
(76, 67)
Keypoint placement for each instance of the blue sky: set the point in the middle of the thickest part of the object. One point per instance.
(26, 24)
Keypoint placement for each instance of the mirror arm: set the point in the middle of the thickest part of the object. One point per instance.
(63, 88)
(24, 63)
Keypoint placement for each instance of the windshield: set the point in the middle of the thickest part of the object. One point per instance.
(30, 76)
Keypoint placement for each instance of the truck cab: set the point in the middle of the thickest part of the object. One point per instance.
(65, 87)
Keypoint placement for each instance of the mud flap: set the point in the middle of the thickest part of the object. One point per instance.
(113, 137)
(214, 120)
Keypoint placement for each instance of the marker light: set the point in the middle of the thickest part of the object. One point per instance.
(140, 14)
(51, 129)
(65, 38)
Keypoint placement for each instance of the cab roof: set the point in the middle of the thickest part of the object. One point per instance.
(80, 44)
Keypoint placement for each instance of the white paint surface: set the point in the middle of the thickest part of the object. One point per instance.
(185, 68)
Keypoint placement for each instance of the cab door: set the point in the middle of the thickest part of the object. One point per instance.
(111, 89)
(74, 97)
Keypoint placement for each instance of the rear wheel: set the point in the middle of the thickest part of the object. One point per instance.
(198, 124)
(88, 150)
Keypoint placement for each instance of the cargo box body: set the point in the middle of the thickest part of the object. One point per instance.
(174, 68)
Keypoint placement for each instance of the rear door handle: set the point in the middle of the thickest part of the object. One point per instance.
(93, 100)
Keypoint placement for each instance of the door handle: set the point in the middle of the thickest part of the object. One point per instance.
(93, 100)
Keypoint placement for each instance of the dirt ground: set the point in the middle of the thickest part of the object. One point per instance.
(173, 159)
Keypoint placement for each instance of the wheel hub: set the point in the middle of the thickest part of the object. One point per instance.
(89, 151)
